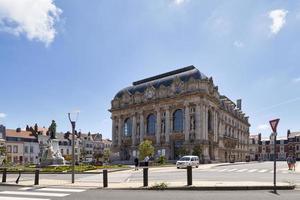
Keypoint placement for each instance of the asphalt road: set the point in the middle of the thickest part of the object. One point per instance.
(244, 172)
(17, 193)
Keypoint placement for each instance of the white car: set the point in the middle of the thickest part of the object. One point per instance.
(185, 161)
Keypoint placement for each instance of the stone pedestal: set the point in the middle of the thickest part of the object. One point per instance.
(52, 155)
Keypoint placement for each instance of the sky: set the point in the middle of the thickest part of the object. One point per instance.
(60, 56)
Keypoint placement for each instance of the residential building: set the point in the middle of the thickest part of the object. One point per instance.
(179, 111)
(21, 147)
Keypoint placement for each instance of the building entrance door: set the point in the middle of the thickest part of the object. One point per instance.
(178, 149)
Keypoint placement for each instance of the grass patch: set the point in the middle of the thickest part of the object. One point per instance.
(159, 186)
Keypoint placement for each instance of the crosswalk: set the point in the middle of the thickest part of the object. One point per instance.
(246, 170)
(32, 193)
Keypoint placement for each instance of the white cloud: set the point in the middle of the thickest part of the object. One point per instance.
(296, 80)
(263, 127)
(178, 2)
(278, 20)
(2, 115)
(33, 18)
(238, 44)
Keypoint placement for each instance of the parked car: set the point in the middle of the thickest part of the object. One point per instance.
(185, 161)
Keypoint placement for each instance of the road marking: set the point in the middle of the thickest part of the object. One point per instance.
(241, 170)
(17, 198)
(222, 170)
(263, 170)
(35, 193)
(231, 170)
(60, 190)
(252, 170)
(26, 188)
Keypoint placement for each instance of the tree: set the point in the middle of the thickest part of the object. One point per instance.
(146, 149)
(106, 155)
(197, 151)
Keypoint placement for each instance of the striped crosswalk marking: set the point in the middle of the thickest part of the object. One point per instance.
(241, 170)
(231, 170)
(60, 190)
(263, 170)
(222, 170)
(252, 170)
(35, 193)
(19, 198)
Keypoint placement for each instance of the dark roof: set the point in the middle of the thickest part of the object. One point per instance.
(165, 79)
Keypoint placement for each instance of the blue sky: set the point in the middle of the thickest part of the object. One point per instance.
(60, 56)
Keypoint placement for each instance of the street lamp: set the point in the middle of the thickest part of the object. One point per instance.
(73, 118)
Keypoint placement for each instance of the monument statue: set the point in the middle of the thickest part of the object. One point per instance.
(52, 130)
(51, 154)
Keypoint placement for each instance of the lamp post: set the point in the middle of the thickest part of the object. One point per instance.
(73, 124)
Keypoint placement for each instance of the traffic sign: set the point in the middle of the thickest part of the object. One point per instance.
(274, 124)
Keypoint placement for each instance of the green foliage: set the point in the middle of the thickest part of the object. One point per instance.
(181, 151)
(106, 155)
(159, 186)
(161, 160)
(146, 149)
(197, 151)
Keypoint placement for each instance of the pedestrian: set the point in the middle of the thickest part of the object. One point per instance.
(136, 163)
(146, 160)
(293, 163)
(289, 162)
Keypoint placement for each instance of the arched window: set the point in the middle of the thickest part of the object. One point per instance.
(127, 127)
(151, 122)
(178, 121)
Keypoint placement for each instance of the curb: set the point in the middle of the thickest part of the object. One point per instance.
(210, 188)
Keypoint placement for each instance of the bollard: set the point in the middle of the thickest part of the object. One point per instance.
(36, 177)
(189, 175)
(4, 175)
(145, 176)
(17, 181)
(105, 178)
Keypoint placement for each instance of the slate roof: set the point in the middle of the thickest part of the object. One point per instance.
(165, 79)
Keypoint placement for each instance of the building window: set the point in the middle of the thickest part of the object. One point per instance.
(26, 149)
(62, 151)
(8, 149)
(209, 121)
(31, 149)
(15, 149)
(67, 151)
(151, 122)
(178, 121)
(127, 127)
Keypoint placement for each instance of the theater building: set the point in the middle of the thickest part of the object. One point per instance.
(178, 111)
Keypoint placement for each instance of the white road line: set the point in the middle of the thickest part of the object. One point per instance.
(25, 188)
(222, 170)
(262, 171)
(19, 198)
(241, 170)
(59, 190)
(35, 193)
(252, 170)
(231, 170)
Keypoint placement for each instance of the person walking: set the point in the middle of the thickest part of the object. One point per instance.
(293, 163)
(289, 162)
(136, 163)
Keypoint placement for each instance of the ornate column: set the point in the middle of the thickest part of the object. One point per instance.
(113, 130)
(167, 125)
(158, 126)
(186, 123)
(120, 128)
(205, 122)
(142, 129)
(133, 137)
(198, 122)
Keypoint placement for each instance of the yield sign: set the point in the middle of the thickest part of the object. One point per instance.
(274, 124)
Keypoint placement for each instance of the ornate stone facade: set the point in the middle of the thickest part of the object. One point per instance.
(178, 110)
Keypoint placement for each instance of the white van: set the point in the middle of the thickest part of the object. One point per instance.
(185, 161)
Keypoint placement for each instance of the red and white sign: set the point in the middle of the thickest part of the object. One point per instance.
(274, 124)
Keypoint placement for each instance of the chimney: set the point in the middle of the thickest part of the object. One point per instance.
(18, 130)
(239, 104)
(259, 137)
